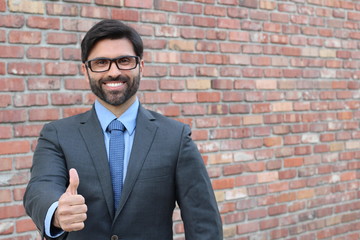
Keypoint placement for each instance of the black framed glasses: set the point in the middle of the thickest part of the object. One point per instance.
(104, 64)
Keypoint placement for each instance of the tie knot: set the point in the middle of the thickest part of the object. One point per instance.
(116, 125)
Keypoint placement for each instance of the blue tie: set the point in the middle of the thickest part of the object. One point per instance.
(116, 158)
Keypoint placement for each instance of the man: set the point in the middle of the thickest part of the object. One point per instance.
(85, 186)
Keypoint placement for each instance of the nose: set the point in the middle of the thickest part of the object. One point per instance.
(114, 71)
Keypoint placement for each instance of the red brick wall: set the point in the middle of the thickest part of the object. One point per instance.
(269, 87)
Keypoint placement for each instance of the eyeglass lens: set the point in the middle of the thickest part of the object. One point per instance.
(104, 64)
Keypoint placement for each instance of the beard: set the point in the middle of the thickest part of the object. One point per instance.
(115, 98)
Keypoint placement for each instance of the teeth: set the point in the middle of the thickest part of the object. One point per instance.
(114, 84)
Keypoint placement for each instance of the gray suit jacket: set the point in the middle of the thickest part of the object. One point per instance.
(165, 167)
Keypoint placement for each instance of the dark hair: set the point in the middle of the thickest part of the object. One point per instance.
(110, 29)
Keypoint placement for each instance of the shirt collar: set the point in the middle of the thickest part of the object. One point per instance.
(128, 118)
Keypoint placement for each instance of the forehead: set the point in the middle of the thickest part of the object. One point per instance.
(111, 48)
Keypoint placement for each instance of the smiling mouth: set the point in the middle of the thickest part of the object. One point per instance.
(114, 84)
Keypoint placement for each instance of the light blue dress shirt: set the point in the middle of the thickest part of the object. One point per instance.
(128, 118)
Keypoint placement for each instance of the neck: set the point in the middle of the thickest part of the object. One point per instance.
(120, 109)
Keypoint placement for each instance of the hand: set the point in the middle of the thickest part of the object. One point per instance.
(71, 212)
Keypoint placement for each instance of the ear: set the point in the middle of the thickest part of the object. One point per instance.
(85, 72)
(141, 66)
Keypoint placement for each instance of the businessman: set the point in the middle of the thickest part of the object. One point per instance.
(118, 170)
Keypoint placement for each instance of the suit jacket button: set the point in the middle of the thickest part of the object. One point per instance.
(114, 237)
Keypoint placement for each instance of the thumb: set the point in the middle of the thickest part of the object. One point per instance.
(73, 182)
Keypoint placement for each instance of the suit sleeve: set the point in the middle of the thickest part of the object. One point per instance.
(49, 177)
(195, 195)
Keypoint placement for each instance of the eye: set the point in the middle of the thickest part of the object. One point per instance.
(100, 62)
(124, 60)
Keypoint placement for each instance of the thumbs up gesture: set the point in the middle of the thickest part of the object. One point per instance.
(71, 212)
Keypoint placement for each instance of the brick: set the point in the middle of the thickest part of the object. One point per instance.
(190, 33)
(26, 6)
(61, 38)
(192, 58)
(267, 177)
(77, 25)
(220, 109)
(172, 84)
(208, 97)
(268, 5)
(249, 3)
(43, 23)
(61, 9)
(68, 112)
(167, 6)
(257, 213)
(181, 71)
(14, 147)
(221, 159)
(172, 111)
(154, 44)
(62, 68)
(11, 52)
(125, 14)
(6, 132)
(222, 84)
(155, 71)
(204, 22)
(5, 196)
(43, 114)
(2, 6)
(277, 210)
(94, 12)
(207, 71)
(247, 25)
(181, 45)
(12, 21)
(43, 83)
(25, 225)
(191, 8)
(223, 183)
(6, 228)
(153, 17)
(66, 98)
(216, 59)
(220, 134)
(143, 4)
(157, 97)
(181, 20)
(206, 47)
(180, 97)
(166, 57)
(24, 68)
(12, 84)
(216, 35)
(247, 228)
(43, 53)
(71, 54)
(25, 37)
(233, 170)
(21, 162)
(305, 194)
(267, 224)
(32, 99)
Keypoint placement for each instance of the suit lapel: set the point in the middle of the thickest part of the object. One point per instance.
(144, 136)
(94, 139)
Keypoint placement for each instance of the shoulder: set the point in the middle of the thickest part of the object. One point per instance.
(161, 120)
(74, 120)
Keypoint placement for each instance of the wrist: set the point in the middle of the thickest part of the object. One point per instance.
(55, 221)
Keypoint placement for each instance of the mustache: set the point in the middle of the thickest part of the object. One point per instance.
(120, 78)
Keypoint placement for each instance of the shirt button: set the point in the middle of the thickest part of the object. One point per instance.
(114, 237)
